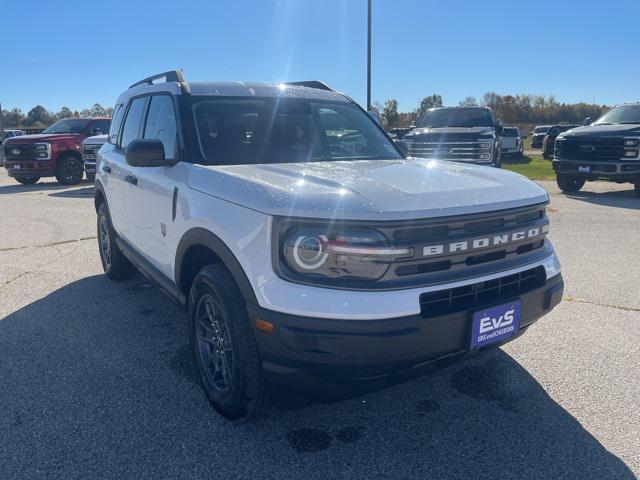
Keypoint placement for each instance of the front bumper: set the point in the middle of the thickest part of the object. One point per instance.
(30, 168)
(623, 171)
(328, 359)
(90, 166)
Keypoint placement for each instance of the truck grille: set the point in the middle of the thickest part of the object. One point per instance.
(90, 150)
(24, 152)
(452, 146)
(459, 299)
(585, 149)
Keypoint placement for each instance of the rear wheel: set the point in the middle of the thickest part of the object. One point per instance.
(69, 171)
(115, 265)
(27, 180)
(224, 346)
(570, 184)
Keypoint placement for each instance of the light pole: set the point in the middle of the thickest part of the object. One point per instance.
(369, 55)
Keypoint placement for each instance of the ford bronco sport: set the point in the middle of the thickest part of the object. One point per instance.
(608, 149)
(314, 259)
(54, 153)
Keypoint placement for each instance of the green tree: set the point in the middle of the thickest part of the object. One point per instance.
(38, 114)
(65, 112)
(390, 112)
(469, 102)
(431, 101)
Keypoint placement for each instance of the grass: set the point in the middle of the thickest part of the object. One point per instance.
(534, 167)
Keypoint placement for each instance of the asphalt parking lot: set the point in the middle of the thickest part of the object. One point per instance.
(97, 378)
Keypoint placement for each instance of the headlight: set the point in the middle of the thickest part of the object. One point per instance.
(484, 145)
(631, 142)
(631, 148)
(327, 253)
(42, 151)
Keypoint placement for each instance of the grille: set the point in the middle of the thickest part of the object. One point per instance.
(455, 150)
(480, 294)
(604, 149)
(26, 152)
(89, 151)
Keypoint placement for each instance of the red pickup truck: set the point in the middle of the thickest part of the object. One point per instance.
(55, 152)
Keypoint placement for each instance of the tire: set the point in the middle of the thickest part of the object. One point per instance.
(569, 184)
(91, 177)
(115, 265)
(27, 180)
(69, 171)
(224, 347)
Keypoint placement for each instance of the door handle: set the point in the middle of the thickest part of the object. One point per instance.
(106, 168)
(131, 179)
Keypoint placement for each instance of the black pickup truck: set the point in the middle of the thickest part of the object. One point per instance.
(608, 149)
(460, 134)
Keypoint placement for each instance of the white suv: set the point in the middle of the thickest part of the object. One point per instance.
(314, 259)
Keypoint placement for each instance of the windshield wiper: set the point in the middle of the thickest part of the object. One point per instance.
(629, 123)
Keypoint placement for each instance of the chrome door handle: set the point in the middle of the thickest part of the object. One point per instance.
(131, 179)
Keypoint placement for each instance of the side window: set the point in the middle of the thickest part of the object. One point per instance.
(115, 123)
(133, 122)
(161, 124)
(103, 125)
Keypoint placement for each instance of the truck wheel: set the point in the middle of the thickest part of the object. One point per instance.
(115, 265)
(91, 177)
(69, 171)
(569, 184)
(224, 347)
(27, 180)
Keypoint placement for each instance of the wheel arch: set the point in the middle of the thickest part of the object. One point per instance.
(200, 247)
(68, 153)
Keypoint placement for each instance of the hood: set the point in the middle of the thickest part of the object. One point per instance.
(616, 130)
(367, 189)
(452, 131)
(96, 139)
(51, 137)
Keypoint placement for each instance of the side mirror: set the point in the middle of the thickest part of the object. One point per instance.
(524, 137)
(148, 152)
(401, 146)
(499, 127)
(586, 121)
(95, 131)
(376, 117)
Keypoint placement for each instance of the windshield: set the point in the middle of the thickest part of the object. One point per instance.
(510, 132)
(541, 129)
(68, 125)
(456, 117)
(282, 130)
(622, 114)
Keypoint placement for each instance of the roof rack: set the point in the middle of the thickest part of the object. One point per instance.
(311, 84)
(170, 76)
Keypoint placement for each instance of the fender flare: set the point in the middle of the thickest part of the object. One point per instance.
(201, 236)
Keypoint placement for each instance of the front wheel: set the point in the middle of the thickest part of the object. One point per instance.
(27, 180)
(69, 171)
(570, 184)
(224, 346)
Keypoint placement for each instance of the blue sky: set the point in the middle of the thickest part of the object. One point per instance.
(76, 53)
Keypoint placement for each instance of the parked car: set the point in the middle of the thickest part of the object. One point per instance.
(550, 139)
(4, 134)
(461, 134)
(537, 136)
(54, 153)
(90, 147)
(608, 149)
(313, 268)
(512, 143)
(400, 132)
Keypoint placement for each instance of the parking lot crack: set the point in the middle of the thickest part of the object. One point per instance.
(52, 244)
(610, 305)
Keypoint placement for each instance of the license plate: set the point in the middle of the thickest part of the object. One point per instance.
(16, 166)
(495, 324)
(584, 169)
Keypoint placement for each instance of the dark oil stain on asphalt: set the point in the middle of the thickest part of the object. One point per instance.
(307, 440)
(349, 435)
(486, 382)
(427, 406)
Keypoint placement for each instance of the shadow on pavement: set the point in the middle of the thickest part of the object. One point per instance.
(616, 198)
(74, 193)
(41, 186)
(98, 382)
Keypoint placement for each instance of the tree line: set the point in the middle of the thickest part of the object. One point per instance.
(521, 109)
(39, 116)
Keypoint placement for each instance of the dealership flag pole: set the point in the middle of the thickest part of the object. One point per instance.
(369, 56)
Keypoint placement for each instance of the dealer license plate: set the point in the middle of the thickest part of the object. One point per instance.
(495, 324)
